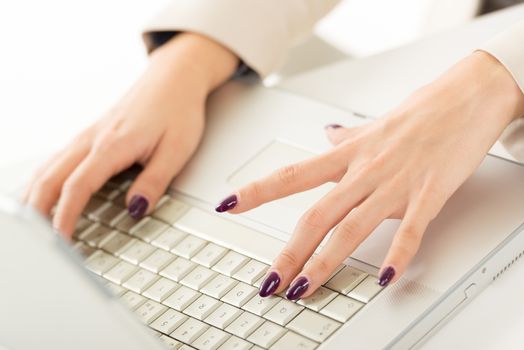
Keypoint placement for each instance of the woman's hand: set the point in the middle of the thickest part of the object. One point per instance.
(405, 165)
(158, 124)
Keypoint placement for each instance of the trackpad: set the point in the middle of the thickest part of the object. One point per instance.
(272, 157)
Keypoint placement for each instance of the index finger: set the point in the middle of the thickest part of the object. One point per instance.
(85, 180)
(285, 181)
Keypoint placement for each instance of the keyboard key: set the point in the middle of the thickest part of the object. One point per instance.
(346, 279)
(211, 339)
(83, 249)
(157, 261)
(283, 312)
(137, 252)
(291, 340)
(148, 229)
(266, 334)
(218, 286)
(341, 308)
(126, 223)
(202, 307)
(181, 298)
(161, 289)
(115, 289)
(100, 262)
(108, 214)
(149, 311)
(320, 298)
(93, 204)
(259, 306)
(366, 290)
(251, 271)
(188, 247)
(117, 243)
(178, 269)
(170, 211)
(170, 342)
(108, 192)
(168, 239)
(189, 331)
(239, 294)
(140, 281)
(244, 325)
(223, 316)
(235, 343)
(197, 278)
(96, 234)
(168, 321)
(230, 263)
(120, 272)
(313, 325)
(81, 224)
(120, 200)
(132, 300)
(209, 255)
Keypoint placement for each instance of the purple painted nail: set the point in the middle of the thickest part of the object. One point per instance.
(137, 206)
(269, 285)
(386, 276)
(297, 289)
(227, 204)
(333, 126)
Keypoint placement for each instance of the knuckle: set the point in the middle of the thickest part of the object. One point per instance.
(410, 236)
(313, 218)
(44, 183)
(288, 258)
(288, 174)
(348, 231)
(253, 192)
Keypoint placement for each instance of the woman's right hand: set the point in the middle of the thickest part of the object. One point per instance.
(158, 124)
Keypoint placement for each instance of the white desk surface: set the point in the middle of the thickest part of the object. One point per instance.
(373, 85)
(68, 92)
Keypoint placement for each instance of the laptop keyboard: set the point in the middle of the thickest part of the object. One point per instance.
(199, 293)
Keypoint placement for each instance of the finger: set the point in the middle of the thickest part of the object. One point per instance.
(337, 133)
(40, 169)
(99, 165)
(406, 241)
(285, 181)
(311, 229)
(347, 236)
(46, 187)
(153, 181)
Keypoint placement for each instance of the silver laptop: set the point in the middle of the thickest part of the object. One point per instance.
(188, 277)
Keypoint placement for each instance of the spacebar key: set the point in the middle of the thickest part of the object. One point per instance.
(230, 234)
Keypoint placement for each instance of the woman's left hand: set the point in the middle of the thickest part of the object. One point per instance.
(405, 165)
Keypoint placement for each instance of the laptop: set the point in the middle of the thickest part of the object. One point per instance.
(186, 277)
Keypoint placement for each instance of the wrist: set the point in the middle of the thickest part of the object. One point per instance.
(207, 63)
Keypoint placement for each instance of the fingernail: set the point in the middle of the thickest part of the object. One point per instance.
(333, 126)
(297, 289)
(137, 206)
(269, 285)
(227, 204)
(386, 276)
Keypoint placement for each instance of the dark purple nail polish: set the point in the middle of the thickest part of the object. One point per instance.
(227, 204)
(269, 285)
(333, 126)
(297, 289)
(386, 276)
(137, 206)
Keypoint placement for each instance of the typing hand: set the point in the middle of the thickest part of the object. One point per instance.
(158, 124)
(405, 166)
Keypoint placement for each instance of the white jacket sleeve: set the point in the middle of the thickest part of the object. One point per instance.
(259, 32)
(508, 48)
